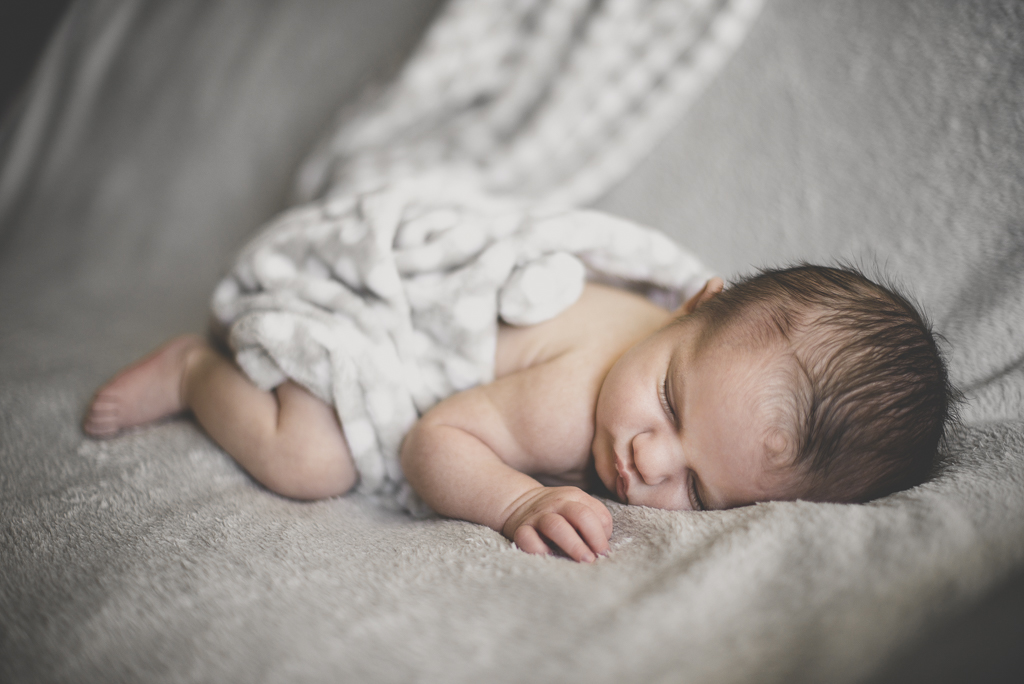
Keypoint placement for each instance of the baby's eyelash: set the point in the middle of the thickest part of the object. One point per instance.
(663, 396)
(695, 499)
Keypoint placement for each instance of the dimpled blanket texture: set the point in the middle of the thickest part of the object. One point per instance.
(155, 139)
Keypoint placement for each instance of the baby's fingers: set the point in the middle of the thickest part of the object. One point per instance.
(593, 527)
(560, 532)
(527, 539)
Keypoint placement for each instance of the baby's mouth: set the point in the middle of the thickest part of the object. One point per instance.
(621, 481)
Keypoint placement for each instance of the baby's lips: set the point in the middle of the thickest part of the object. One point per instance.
(621, 481)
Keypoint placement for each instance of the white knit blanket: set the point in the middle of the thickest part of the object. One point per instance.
(554, 100)
(444, 203)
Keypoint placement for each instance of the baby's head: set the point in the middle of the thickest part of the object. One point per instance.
(807, 382)
(867, 398)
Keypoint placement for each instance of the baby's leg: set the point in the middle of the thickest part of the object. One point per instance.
(287, 439)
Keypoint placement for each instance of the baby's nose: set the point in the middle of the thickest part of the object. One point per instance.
(653, 461)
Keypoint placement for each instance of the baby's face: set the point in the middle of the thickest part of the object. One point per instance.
(682, 430)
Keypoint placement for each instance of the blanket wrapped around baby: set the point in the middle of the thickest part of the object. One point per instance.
(387, 301)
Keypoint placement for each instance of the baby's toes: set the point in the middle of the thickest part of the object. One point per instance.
(103, 418)
(99, 426)
(95, 428)
(104, 408)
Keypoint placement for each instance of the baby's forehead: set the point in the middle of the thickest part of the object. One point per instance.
(744, 362)
(755, 389)
(741, 335)
(770, 326)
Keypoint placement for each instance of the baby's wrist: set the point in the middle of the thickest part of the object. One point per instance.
(509, 514)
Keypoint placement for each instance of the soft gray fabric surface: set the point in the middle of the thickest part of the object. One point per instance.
(159, 134)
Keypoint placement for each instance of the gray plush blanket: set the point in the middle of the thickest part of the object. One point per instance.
(156, 136)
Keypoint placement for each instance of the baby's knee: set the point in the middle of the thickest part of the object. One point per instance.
(308, 456)
(308, 471)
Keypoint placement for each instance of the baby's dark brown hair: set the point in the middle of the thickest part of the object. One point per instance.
(872, 398)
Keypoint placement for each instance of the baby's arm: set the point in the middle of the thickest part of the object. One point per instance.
(465, 457)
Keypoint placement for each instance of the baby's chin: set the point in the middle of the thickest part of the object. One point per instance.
(598, 487)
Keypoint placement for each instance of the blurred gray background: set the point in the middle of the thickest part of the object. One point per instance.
(25, 26)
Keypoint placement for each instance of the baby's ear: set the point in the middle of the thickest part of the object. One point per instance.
(710, 289)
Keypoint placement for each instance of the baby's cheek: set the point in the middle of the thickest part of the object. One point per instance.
(669, 498)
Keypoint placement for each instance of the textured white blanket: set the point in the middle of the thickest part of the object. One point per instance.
(554, 100)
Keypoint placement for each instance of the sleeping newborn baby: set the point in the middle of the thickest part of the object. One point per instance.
(808, 382)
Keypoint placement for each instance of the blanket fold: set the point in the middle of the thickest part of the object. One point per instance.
(550, 100)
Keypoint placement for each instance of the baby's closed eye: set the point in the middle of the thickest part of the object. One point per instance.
(666, 403)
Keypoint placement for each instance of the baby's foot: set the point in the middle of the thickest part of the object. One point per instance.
(145, 391)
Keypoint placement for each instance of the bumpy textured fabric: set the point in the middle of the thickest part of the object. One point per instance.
(386, 302)
(555, 100)
(444, 202)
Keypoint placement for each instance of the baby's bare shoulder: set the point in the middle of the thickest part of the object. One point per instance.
(604, 322)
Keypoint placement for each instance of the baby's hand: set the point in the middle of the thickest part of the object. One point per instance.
(568, 517)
